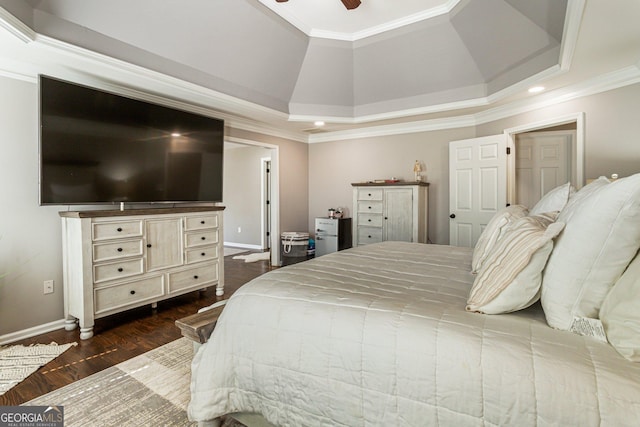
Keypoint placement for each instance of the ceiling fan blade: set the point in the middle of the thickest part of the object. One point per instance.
(351, 4)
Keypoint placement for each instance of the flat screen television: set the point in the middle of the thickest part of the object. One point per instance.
(97, 147)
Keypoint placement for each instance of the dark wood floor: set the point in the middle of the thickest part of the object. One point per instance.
(123, 336)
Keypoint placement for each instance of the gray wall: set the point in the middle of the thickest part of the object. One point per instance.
(612, 146)
(30, 235)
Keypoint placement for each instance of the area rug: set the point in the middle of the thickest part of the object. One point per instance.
(149, 390)
(233, 251)
(256, 256)
(17, 362)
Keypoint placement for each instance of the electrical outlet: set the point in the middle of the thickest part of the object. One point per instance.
(239, 229)
(48, 287)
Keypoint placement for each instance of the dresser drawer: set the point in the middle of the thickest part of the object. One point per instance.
(205, 253)
(193, 277)
(199, 238)
(117, 270)
(369, 207)
(368, 235)
(131, 293)
(371, 220)
(115, 250)
(370, 193)
(200, 222)
(116, 229)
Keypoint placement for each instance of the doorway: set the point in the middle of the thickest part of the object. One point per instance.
(251, 197)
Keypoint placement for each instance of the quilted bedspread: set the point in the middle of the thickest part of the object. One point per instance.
(378, 336)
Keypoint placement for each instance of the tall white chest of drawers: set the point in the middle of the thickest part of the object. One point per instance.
(118, 260)
(397, 211)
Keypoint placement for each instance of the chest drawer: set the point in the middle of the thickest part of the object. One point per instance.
(128, 294)
(205, 253)
(370, 207)
(114, 250)
(200, 222)
(370, 193)
(199, 238)
(116, 229)
(117, 270)
(193, 277)
(368, 235)
(370, 220)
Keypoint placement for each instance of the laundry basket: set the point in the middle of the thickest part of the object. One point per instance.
(294, 243)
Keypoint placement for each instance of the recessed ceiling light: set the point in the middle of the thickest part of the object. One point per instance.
(318, 123)
(176, 134)
(536, 89)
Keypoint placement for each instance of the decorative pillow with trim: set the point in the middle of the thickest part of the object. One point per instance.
(601, 236)
(554, 200)
(492, 232)
(511, 275)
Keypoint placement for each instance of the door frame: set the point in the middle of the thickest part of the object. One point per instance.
(577, 159)
(275, 191)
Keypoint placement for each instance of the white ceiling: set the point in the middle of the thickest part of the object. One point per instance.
(330, 19)
(258, 69)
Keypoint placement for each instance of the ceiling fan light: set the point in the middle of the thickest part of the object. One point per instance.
(351, 4)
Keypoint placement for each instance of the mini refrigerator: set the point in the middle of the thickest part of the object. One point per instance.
(332, 234)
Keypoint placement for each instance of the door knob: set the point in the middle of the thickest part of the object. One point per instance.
(452, 216)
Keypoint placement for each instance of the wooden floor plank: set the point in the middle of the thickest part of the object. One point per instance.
(123, 336)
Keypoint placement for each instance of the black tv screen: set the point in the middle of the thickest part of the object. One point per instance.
(98, 147)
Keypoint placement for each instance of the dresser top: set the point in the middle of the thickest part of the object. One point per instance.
(387, 184)
(147, 211)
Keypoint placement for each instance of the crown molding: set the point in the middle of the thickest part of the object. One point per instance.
(16, 27)
(573, 19)
(610, 81)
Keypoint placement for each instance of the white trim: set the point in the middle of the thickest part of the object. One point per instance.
(32, 332)
(573, 19)
(275, 193)
(16, 27)
(243, 245)
(284, 12)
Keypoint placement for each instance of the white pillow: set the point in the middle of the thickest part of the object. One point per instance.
(554, 200)
(491, 233)
(511, 275)
(620, 313)
(601, 236)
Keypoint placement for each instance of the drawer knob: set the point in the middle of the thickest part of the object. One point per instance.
(203, 238)
(195, 277)
(120, 270)
(132, 292)
(202, 222)
(369, 236)
(119, 229)
(369, 220)
(119, 249)
(369, 194)
(369, 207)
(148, 245)
(203, 254)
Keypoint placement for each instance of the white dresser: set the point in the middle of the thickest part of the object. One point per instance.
(397, 211)
(118, 260)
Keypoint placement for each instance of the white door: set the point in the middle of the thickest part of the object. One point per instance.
(542, 164)
(477, 186)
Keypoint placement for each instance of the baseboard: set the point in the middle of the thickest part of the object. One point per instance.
(243, 246)
(32, 332)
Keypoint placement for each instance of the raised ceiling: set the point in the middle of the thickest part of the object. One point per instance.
(386, 61)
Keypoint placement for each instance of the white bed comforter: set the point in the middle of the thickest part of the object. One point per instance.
(379, 335)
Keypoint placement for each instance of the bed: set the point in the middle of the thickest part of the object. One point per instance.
(382, 335)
